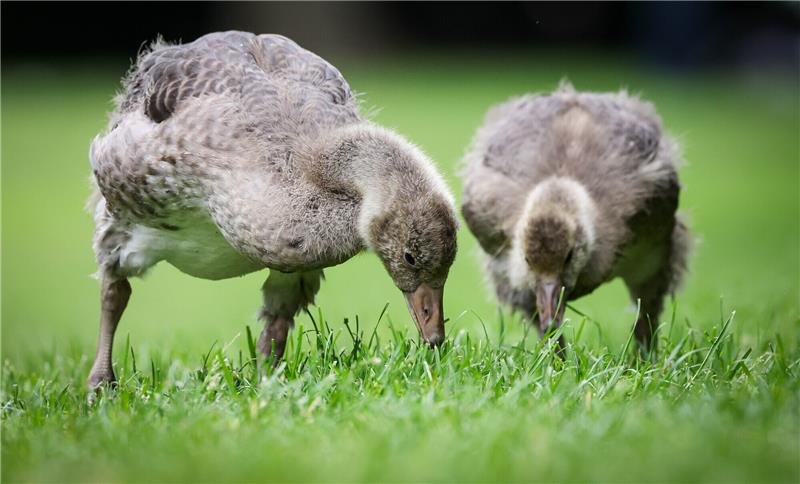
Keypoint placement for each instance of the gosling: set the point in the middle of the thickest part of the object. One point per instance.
(569, 190)
(239, 152)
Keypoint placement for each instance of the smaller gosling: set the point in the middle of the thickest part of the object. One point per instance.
(569, 190)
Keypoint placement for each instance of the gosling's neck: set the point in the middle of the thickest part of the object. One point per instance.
(381, 167)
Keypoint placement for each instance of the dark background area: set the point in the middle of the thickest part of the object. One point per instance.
(684, 35)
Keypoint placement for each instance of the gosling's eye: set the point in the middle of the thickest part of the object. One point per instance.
(409, 259)
(569, 257)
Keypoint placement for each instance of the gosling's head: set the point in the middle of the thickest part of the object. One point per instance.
(555, 237)
(416, 241)
(408, 219)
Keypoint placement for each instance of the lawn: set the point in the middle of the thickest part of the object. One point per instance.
(361, 401)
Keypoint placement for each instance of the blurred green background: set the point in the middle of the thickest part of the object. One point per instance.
(724, 77)
(739, 135)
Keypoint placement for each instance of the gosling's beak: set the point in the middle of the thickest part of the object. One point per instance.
(551, 313)
(425, 305)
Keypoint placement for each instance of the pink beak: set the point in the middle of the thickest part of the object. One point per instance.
(425, 305)
(548, 297)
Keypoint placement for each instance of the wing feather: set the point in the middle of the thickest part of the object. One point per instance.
(566, 133)
(254, 68)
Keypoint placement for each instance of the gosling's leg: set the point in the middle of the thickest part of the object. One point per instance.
(114, 295)
(652, 290)
(285, 294)
(649, 294)
(274, 335)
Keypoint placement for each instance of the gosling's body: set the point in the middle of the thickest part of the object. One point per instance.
(238, 152)
(209, 133)
(598, 165)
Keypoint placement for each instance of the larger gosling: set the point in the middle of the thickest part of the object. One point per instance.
(238, 152)
(568, 190)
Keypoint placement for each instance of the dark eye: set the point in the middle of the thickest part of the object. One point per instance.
(569, 257)
(409, 258)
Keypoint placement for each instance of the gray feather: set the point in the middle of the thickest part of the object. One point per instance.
(613, 145)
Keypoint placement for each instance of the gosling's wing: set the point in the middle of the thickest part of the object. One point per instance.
(625, 159)
(167, 130)
(492, 199)
(230, 101)
(268, 75)
(505, 162)
(491, 205)
(305, 95)
(566, 132)
(166, 76)
(280, 56)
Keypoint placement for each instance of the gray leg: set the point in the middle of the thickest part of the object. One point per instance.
(651, 293)
(653, 289)
(114, 295)
(274, 335)
(284, 295)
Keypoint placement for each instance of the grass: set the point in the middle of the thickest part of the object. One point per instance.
(720, 402)
(346, 405)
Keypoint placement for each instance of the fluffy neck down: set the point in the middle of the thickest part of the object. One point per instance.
(382, 167)
(558, 202)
